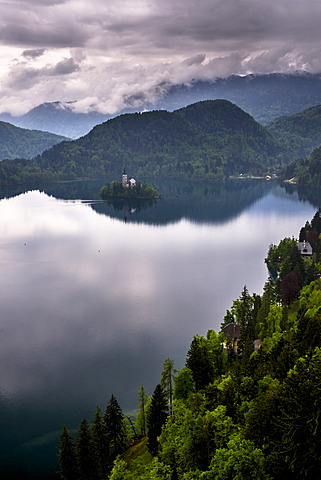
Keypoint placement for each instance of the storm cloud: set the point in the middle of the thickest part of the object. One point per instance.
(108, 54)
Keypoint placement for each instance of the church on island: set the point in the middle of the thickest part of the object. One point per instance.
(125, 182)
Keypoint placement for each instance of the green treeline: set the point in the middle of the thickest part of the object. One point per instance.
(115, 189)
(247, 403)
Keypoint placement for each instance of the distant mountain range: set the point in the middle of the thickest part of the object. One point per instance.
(265, 97)
(18, 142)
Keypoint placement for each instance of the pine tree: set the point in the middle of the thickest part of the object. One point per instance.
(100, 443)
(116, 432)
(156, 418)
(198, 360)
(67, 456)
(167, 382)
(85, 452)
(141, 414)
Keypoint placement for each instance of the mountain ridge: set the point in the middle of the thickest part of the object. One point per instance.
(265, 97)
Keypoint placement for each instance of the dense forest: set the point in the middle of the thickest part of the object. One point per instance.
(306, 171)
(22, 143)
(245, 405)
(210, 139)
(299, 133)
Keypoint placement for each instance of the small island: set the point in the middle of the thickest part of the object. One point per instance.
(128, 189)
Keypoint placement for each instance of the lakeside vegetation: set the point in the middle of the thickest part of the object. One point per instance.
(245, 405)
(140, 190)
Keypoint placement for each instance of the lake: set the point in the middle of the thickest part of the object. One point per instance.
(96, 295)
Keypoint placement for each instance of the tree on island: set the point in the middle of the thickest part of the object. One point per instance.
(115, 189)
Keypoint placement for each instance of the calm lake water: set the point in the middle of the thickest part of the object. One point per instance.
(95, 296)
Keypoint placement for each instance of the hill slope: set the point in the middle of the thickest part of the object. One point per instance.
(306, 170)
(18, 142)
(299, 133)
(212, 138)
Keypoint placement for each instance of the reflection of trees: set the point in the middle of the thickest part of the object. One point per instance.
(312, 195)
(126, 207)
(198, 201)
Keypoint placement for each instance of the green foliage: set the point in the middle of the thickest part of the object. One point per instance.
(299, 133)
(116, 432)
(139, 190)
(167, 382)
(22, 143)
(241, 459)
(210, 139)
(156, 418)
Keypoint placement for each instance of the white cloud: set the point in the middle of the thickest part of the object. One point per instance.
(107, 55)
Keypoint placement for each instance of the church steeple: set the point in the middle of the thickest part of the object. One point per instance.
(124, 178)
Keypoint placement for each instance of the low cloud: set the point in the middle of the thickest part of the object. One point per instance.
(116, 54)
(33, 53)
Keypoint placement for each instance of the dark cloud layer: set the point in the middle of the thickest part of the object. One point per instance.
(103, 53)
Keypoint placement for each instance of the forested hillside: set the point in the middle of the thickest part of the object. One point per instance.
(21, 143)
(211, 139)
(299, 133)
(306, 171)
(246, 405)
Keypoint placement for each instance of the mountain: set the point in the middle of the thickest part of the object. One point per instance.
(299, 133)
(264, 97)
(213, 138)
(18, 142)
(57, 117)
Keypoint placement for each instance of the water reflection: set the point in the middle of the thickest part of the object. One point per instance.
(91, 305)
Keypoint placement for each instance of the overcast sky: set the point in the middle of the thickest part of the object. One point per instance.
(110, 53)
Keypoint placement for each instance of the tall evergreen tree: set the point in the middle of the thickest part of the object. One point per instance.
(85, 452)
(100, 443)
(116, 431)
(156, 418)
(67, 456)
(141, 414)
(198, 360)
(167, 382)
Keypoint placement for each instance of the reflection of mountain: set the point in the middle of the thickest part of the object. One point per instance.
(209, 202)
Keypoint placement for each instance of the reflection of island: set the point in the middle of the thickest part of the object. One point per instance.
(123, 206)
(201, 202)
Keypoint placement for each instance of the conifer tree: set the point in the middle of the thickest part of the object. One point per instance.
(116, 431)
(167, 382)
(156, 418)
(67, 456)
(85, 452)
(100, 443)
(141, 414)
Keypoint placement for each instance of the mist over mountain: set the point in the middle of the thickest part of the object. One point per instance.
(265, 97)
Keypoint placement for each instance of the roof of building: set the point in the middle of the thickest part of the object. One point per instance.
(305, 248)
